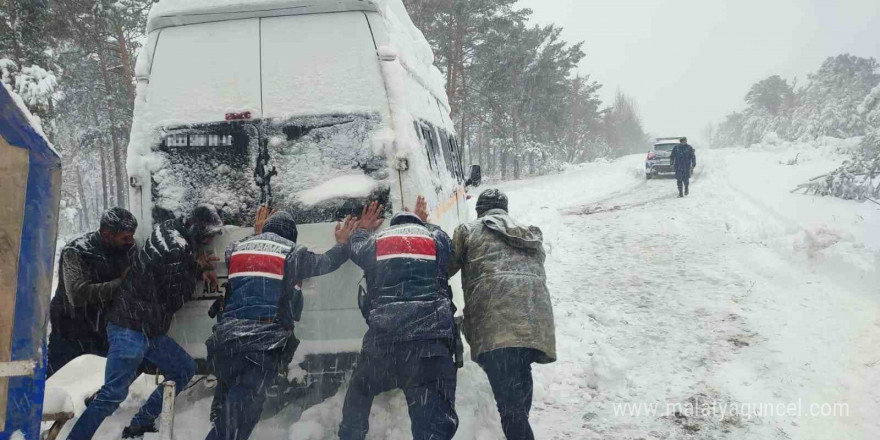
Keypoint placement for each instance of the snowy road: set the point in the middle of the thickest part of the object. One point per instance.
(739, 296)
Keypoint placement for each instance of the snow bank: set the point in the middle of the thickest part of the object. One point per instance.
(57, 400)
(70, 386)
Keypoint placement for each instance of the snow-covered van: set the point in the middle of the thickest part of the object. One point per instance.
(316, 105)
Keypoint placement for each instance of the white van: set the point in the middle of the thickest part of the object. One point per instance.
(340, 97)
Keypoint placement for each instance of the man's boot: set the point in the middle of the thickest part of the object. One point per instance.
(134, 432)
(687, 190)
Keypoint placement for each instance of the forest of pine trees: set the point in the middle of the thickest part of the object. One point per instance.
(831, 103)
(72, 61)
(840, 100)
(519, 102)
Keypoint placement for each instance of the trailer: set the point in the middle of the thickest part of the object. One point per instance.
(30, 178)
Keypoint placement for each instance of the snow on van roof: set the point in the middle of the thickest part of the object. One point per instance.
(167, 13)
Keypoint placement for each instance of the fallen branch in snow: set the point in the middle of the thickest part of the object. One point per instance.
(856, 179)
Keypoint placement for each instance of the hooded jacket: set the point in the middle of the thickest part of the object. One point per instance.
(408, 296)
(163, 275)
(507, 303)
(89, 277)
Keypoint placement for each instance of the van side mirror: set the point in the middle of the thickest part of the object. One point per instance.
(476, 177)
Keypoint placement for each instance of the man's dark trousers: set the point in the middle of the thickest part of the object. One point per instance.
(242, 380)
(684, 180)
(510, 375)
(426, 373)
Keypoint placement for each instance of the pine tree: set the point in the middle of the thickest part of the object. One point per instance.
(829, 103)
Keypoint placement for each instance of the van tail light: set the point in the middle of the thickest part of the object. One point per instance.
(651, 155)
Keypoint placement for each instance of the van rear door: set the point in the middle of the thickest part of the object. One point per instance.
(320, 64)
(202, 72)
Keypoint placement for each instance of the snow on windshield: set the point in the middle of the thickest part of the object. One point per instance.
(321, 163)
(354, 185)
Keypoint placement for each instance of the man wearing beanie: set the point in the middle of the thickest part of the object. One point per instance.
(409, 343)
(253, 339)
(508, 317)
(163, 274)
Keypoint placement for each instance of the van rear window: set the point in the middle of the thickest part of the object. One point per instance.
(217, 164)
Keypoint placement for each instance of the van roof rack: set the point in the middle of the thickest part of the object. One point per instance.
(678, 138)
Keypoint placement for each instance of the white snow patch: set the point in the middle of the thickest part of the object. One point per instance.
(178, 239)
(83, 377)
(351, 186)
(56, 400)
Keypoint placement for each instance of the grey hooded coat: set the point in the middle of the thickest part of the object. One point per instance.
(507, 303)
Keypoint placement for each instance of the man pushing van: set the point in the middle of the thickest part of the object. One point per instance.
(409, 342)
(253, 339)
(90, 274)
(508, 317)
(163, 275)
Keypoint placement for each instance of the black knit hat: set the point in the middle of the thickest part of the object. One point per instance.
(282, 224)
(116, 220)
(203, 222)
(491, 199)
(405, 217)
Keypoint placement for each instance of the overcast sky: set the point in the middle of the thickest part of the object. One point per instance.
(690, 62)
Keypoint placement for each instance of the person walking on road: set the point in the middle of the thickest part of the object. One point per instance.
(508, 316)
(683, 160)
(253, 340)
(409, 343)
(90, 274)
(163, 275)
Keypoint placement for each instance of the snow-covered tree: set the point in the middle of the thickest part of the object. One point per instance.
(859, 177)
(829, 102)
(623, 126)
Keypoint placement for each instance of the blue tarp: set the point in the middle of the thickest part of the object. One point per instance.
(35, 266)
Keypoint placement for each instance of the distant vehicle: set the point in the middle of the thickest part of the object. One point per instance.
(658, 163)
(313, 106)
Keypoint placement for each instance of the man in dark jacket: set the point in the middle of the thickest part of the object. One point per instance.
(508, 316)
(90, 274)
(409, 311)
(253, 340)
(163, 275)
(683, 160)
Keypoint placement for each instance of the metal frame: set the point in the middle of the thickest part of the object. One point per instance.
(17, 368)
